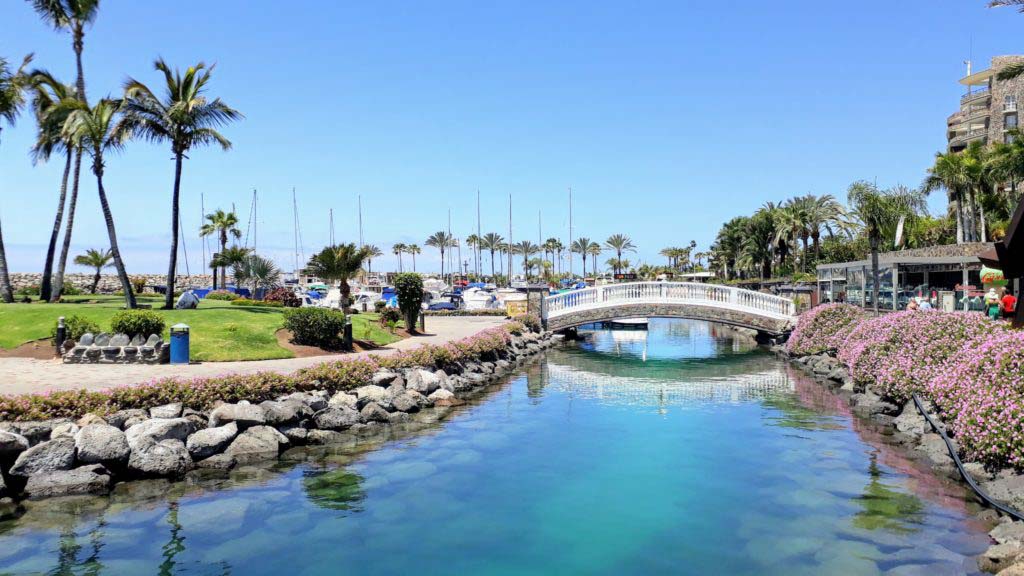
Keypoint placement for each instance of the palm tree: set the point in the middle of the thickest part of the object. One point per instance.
(556, 249)
(1014, 70)
(491, 242)
(442, 241)
(413, 250)
(337, 264)
(825, 212)
(594, 249)
(950, 173)
(473, 241)
(92, 129)
(222, 224)
(97, 260)
(48, 96)
(260, 271)
(579, 246)
(526, 249)
(398, 250)
(12, 98)
(880, 212)
(619, 243)
(74, 16)
(371, 253)
(229, 257)
(185, 119)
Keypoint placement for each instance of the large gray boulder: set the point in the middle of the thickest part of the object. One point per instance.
(245, 415)
(210, 441)
(102, 444)
(12, 444)
(1008, 532)
(336, 418)
(257, 443)
(121, 418)
(368, 394)
(373, 412)
(422, 381)
(443, 381)
(50, 456)
(383, 378)
(92, 479)
(164, 458)
(159, 429)
(343, 399)
(64, 430)
(314, 401)
(911, 422)
(286, 412)
(406, 402)
(172, 410)
(34, 431)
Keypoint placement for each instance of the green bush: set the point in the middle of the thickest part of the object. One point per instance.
(138, 283)
(286, 297)
(28, 291)
(75, 327)
(222, 295)
(529, 320)
(379, 306)
(264, 303)
(71, 290)
(389, 316)
(137, 322)
(315, 326)
(409, 287)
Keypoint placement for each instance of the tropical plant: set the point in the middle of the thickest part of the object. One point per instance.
(257, 270)
(881, 213)
(371, 253)
(594, 249)
(12, 97)
(185, 119)
(97, 260)
(74, 328)
(92, 129)
(442, 241)
(409, 289)
(398, 250)
(526, 249)
(338, 263)
(473, 241)
(492, 242)
(580, 246)
(619, 243)
(1015, 69)
(229, 257)
(223, 224)
(137, 323)
(413, 250)
(316, 326)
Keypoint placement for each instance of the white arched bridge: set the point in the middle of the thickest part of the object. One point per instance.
(766, 313)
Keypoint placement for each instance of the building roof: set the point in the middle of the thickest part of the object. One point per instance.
(966, 253)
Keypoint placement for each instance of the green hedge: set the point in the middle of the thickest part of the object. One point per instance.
(137, 322)
(315, 326)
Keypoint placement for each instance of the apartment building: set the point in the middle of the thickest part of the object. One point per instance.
(988, 109)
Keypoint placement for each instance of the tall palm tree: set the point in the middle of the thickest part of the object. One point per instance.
(229, 257)
(1006, 164)
(556, 250)
(223, 224)
(952, 174)
(619, 243)
(526, 249)
(492, 243)
(825, 212)
(97, 260)
(73, 16)
(473, 241)
(398, 250)
(413, 250)
(261, 272)
(880, 212)
(12, 98)
(337, 264)
(92, 129)
(442, 241)
(49, 101)
(594, 249)
(185, 119)
(371, 253)
(580, 246)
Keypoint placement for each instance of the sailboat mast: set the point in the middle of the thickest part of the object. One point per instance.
(570, 232)
(510, 239)
(360, 198)
(202, 217)
(295, 232)
(476, 249)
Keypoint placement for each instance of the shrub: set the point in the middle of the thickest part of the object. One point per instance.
(390, 315)
(264, 303)
(137, 322)
(379, 306)
(315, 326)
(981, 393)
(70, 289)
(28, 291)
(75, 328)
(823, 328)
(409, 287)
(900, 353)
(222, 295)
(138, 283)
(286, 297)
(529, 320)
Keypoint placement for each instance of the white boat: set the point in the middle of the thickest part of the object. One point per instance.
(479, 299)
(634, 323)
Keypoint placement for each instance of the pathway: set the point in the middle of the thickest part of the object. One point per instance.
(21, 375)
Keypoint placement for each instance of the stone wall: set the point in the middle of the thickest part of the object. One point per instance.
(109, 282)
(689, 311)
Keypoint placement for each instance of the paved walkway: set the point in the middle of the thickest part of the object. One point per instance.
(21, 375)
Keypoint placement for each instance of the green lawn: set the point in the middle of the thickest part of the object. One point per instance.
(220, 332)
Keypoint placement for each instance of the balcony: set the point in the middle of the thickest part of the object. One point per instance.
(977, 94)
(1009, 107)
(968, 136)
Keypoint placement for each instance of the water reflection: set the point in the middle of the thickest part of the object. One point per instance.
(337, 489)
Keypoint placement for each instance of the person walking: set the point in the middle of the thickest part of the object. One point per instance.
(1009, 302)
(992, 304)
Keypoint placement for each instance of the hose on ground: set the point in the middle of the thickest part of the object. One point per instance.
(960, 466)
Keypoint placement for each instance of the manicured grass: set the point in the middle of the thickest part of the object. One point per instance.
(219, 331)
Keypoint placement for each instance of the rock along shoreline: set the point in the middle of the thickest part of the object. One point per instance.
(89, 455)
(910, 429)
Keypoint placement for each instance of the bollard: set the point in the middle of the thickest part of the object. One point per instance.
(62, 334)
(423, 323)
(179, 344)
(346, 337)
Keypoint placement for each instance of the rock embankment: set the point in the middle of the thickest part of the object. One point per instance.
(87, 456)
(910, 429)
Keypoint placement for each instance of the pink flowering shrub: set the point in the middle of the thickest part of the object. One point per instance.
(202, 393)
(823, 328)
(981, 393)
(898, 354)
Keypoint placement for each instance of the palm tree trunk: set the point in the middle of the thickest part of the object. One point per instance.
(492, 264)
(172, 265)
(65, 249)
(442, 265)
(958, 214)
(126, 285)
(6, 291)
(413, 261)
(77, 36)
(95, 281)
(874, 241)
(223, 269)
(46, 283)
(981, 218)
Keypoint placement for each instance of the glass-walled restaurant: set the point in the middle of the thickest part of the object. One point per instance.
(949, 277)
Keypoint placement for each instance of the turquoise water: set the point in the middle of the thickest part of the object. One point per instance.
(676, 450)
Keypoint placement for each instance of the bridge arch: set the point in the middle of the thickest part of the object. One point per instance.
(766, 313)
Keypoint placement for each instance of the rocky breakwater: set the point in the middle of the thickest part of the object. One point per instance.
(109, 283)
(910, 429)
(66, 457)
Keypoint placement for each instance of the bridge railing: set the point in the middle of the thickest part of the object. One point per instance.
(726, 297)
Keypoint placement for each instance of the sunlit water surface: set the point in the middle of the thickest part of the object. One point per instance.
(674, 450)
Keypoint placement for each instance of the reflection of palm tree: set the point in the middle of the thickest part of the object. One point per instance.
(885, 508)
(175, 544)
(335, 489)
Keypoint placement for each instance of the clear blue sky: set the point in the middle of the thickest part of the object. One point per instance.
(666, 118)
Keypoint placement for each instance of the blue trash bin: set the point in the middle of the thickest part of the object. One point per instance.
(179, 344)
